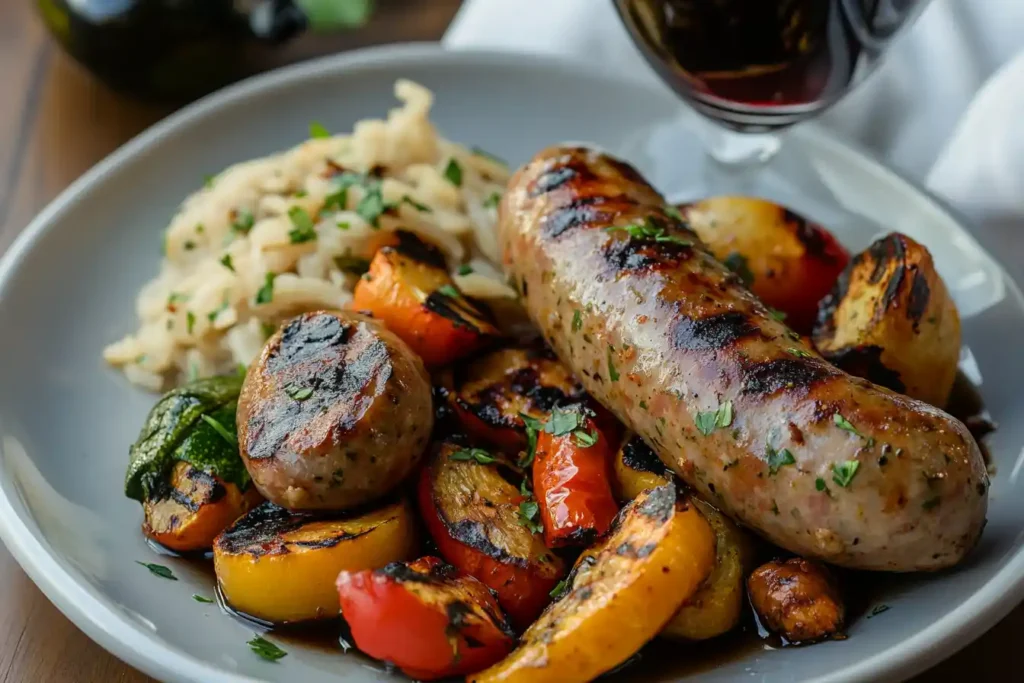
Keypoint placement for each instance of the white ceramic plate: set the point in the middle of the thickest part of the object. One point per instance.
(68, 284)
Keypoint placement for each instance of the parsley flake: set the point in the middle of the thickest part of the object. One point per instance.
(613, 374)
(819, 484)
(347, 263)
(533, 427)
(527, 516)
(190, 321)
(226, 261)
(558, 590)
(673, 212)
(298, 393)
(846, 425)
(777, 314)
(416, 205)
(649, 231)
(478, 454)
(577, 320)
(220, 429)
(372, 206)
(266, 649)
(585, 439)
(563, 421)
(844, 472)
(159, 570)
(243, 222)
(465, 269)
(778, 459)
(453, 172)
(709, 421)
(303, 230)
(317, 130)
(265, 294)
(492, 200)
(449, 291)
(201, 598)
(799, 353)
(878, 609)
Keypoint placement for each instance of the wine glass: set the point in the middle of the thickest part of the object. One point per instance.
(753, 68)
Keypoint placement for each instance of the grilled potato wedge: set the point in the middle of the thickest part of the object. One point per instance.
(196, 508)
(890, 319)
(797, 599)
(618, 596)
(280, 566)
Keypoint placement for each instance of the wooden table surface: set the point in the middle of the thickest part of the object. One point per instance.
(56, 122)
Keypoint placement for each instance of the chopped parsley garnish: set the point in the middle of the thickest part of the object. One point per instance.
(585, 439)
(347, 263)
(265, 294)
(190, 321)
(159, 570)
(372, 205)
(343, 225)
(465, 269)
(201, 598)
(846, 425)
(878, 609)
(819, 484)
(563, 421)
(300, 194)
(189, 245)
(317, 130)
(266, 649)
(477, 454)
(528, 512)
(243, 222)
(492, 200)
(577, 320)
(711, 420)
(613, 374)
(778, 459)
(844, 472)
(449, 291)
(226, 261)
(737, 263)
(208, 181)
(303, 230)
(416, 205)
(533, 427)
(558, 590)
(200, 228)
(268, 329)
(799, 353)
(649, 231)
(220, 429)
(298, 393)
(453, 173)
(930, 503)
(487, 155)
(777, 314)
(643, 404)
(673, 212)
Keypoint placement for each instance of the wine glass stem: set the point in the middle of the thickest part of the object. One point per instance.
(739, 150)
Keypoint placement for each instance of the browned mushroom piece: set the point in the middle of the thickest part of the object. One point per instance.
(798, 599)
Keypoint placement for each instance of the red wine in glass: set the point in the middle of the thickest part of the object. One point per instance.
(761, 65)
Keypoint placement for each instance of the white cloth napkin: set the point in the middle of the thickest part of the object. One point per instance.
(946, 106)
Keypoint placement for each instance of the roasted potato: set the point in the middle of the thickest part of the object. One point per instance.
(618, 596)
(717, 606)
(408, 288)
(637, 468)
(490, 393)
(334, 413)
(890, 319)
(797, 599)
(194, 509)
(280, 566)
(426, 617)
(473, 514)
(786, 260)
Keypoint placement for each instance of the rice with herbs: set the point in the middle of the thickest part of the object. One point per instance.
(268, 239)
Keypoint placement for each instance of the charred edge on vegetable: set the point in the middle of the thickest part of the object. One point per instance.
(259, 532)
(781, 374)
(660, 504)
(810, 235)
(714, 332)
(458, 310)
(638, 456)
(211, 488)
(581, 536)
(411, 246)
(474, 534)
(920, 293)
(866, 362)
(440, 573)
(336, 361)
(638, 255)
(525, 382)
(579, 212)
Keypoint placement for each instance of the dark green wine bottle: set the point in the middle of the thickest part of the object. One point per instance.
(177, 50)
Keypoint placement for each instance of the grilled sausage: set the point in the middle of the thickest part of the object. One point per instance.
(334, 413)
(821, 463)
(798, 599)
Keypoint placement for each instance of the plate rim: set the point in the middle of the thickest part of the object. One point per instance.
(146, 651)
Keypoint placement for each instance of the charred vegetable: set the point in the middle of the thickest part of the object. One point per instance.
(798, 599)
(194, 507)
(637, 468)
(490, 394)
(477, 519)
(280, 566)
(336, 412)
(891, 320)
(426, 617)
(618, 596)
(786, 260)
(194, 423)
(409, 289)
(572, 478)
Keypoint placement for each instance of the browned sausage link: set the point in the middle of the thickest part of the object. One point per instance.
(796, 599)
(819, 462)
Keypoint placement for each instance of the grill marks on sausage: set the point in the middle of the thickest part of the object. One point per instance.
(785, 374)
(337, 363)
(713, 333)
(866, 361)
(578, 212)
